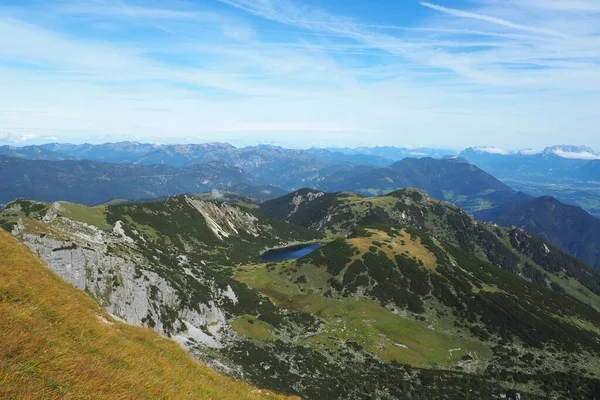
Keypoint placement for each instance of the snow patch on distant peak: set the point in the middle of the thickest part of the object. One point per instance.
(575, 155)
(491, 150)
(573, 152)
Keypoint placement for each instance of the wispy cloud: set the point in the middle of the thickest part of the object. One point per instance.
(490, 19)
(281, 70)
(123, 10)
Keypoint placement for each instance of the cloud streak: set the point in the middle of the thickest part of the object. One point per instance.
(247, 71)
(490, 19)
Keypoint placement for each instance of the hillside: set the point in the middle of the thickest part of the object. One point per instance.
(589, 171)
(382, 309)
(398, 295)
(57, 343)
(341, 213)
(568, 227)
(32, 153)
(450, 179)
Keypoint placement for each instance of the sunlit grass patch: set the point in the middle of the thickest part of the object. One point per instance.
(57, 343)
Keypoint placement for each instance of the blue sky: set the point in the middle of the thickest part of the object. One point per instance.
(300, 73)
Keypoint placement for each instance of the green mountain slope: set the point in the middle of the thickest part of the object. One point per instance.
(408, 298)
(449, 179)
(568, 227)
(401, 296)
(341, 213)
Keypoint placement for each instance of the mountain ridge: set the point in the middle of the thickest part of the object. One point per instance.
(371, 313)
(569, 227)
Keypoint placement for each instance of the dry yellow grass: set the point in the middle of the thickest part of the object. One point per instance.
(56, 343)
(399, 245)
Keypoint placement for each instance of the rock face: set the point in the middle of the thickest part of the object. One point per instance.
(226, 220)
(128, 291)
(300, 198)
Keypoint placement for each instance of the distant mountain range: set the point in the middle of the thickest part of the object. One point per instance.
(551, 163)
(263, 160)
(569, 173)
(90, 182)
(135, 171)
(394, 153)
(450, 179)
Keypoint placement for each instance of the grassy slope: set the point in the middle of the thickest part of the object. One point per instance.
(391, 336)
(433, 337)
(449, 224)
(57, 343)
(94, 216)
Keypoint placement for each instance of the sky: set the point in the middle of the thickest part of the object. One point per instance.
(301, 73)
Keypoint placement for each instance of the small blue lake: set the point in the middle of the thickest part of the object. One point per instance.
(290, 253)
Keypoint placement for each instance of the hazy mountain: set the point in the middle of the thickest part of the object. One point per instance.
(394, 153)
(551, 163)
(120, 152)
(271, 164)
(32, 153)
(448, 179)
(94, 182)
(589, 171)
(565, 172)
(568, 227)
(335, 157)
(409, 297)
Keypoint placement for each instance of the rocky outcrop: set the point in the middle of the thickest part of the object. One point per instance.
(300, 199)
(123, 285)
(226, 220)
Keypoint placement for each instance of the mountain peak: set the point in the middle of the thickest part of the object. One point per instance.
(571, 151)
(413, 193)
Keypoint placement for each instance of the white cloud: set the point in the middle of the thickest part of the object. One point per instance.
(16, 138)
(238, 32)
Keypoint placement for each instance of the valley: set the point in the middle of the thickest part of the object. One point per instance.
(402, 285)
